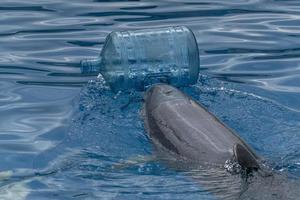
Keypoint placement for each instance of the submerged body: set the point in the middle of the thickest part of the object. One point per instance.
(189, 137)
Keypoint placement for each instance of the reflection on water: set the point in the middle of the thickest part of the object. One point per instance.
(52, 120)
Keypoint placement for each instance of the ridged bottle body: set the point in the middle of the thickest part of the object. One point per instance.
(140, 58)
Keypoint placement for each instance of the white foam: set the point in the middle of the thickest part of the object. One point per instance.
(13, 191)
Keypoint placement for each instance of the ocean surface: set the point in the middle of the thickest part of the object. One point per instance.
(63, 136)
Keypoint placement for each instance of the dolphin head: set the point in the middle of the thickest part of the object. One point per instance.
(161, 93)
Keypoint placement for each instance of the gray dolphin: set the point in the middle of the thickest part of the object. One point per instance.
(188, 136)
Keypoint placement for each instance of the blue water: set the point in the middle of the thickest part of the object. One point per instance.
(61, 135)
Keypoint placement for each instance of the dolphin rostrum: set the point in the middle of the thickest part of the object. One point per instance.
(188, 136)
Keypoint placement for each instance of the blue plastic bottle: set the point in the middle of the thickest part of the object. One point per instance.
(137, 59)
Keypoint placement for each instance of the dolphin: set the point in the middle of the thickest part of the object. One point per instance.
(188, 137)
(183, 127)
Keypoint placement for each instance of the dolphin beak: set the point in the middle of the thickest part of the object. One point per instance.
(160, 93)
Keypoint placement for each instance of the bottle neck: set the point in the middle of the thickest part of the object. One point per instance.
(90, 66)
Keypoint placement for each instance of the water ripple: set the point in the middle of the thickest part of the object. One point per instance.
(249, 53)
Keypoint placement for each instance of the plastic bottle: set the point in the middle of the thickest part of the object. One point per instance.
(140, 58)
